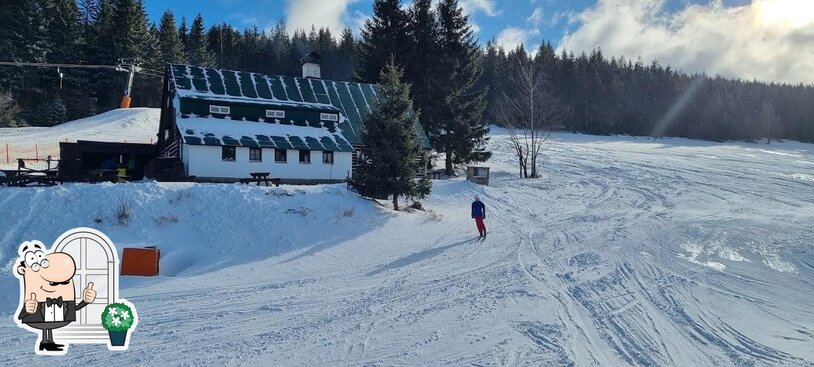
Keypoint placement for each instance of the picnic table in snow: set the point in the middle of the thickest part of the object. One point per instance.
(259, 177)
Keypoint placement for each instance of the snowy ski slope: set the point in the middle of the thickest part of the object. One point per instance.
(627, 252)
(135, 125)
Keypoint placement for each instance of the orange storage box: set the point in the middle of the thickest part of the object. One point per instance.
(140, 261)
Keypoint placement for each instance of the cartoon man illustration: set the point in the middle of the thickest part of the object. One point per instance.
(49, 301)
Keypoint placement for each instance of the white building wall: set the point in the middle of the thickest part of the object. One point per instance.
(205, 161)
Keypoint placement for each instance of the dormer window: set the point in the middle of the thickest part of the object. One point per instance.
(275, 114)
(329, 117)
(219, 110)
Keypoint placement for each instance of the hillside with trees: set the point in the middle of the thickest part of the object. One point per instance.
(453, 76)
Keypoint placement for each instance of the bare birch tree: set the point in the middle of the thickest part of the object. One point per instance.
(530, 113)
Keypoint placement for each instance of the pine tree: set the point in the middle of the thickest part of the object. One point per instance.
(422, 67)
(106, 84)
(392, 152)
(67, 44)
(384, 37)
(345, 55)
(131, 30)
(197, 47)
(172, 50)
(462, 134)
(280, 50)
(493, 77)
(89, 10)
(9, 111)
(183, 36)
(22, 31)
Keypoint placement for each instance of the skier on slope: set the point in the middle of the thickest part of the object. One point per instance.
(479, 213)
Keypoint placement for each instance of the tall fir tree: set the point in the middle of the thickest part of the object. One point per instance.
(392, 153)
(198, 51)
(228, 46)
(67, 44)
(89, 10)
(422, 67)
(462, 132)
(24, 38)
(384, 38)
(183, 36)
(172, 50)
(345, 55)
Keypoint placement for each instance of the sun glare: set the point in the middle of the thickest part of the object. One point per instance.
(789, 13)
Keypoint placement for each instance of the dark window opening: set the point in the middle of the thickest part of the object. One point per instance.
(305, 156)
(228, 154)
(280, 155)
(328, 157)
(255, 154)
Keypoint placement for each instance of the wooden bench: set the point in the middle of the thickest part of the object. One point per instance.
(258, 177)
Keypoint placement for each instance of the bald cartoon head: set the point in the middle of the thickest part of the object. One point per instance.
(46, 275)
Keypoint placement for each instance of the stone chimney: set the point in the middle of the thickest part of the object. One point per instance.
(311, 65)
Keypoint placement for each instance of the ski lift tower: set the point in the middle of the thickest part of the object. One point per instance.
(131, 67)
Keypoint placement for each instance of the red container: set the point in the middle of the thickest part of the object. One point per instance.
(140, 261)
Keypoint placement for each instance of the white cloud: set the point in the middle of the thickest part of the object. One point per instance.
(771, 40)
(536, 17)
(511, 37)
(484, 6)
(302, 14)
(357, 21)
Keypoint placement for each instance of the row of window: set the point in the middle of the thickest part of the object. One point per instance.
(276, 114)
(229, 154)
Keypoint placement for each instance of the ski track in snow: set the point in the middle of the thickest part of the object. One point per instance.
(628, 251)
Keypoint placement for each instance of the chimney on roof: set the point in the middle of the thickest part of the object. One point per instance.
(311, 65)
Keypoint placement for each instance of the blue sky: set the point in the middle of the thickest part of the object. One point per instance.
(751, 39)
(490, 16)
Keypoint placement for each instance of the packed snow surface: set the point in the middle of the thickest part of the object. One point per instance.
(625, 252)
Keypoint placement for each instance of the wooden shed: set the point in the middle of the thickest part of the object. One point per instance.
(478, 175)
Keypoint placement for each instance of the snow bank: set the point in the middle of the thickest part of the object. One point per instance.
(198, 227)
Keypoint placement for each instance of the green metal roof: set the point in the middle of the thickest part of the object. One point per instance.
(210, 131)
(353, 101)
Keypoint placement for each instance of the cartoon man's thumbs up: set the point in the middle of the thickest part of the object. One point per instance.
(31, 304)
(89, 295)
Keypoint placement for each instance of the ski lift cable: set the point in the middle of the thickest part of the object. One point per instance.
(55, 65)
(119, 67)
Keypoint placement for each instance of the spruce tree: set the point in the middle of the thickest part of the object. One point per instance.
(462, 133)
(89, 10)
(183, 36)
(9, 111)
(345, 55)
(67, 44)
(197, 50)
(384, 37)
(422, 68)
(392, 153)
(172, 51)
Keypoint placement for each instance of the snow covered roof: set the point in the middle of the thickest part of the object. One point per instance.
(214, 131)
(353, 101)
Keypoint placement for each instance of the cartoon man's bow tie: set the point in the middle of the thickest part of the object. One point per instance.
(54, 301)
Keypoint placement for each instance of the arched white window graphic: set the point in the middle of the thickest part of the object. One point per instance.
(97, 262)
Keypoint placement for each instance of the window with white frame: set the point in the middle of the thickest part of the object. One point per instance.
(275, 114)
(305, 156)
(280, 155)
(328, 157)
(329, 117)
(255, 154)
(220, 110)
(227, 154)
